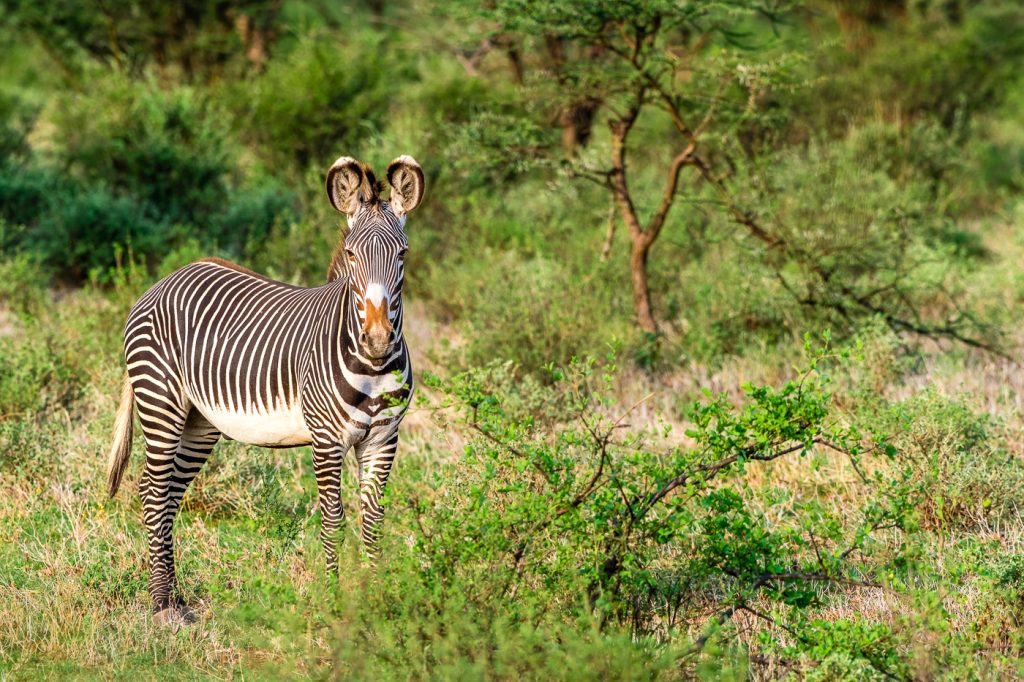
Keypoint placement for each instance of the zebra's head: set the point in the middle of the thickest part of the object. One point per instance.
(375, 245)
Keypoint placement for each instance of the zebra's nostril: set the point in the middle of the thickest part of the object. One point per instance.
(362, 337)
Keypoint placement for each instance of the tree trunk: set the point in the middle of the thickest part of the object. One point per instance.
(856, 18)
(377, 9)
(510, 45)
(640, 239)
(641, 289)
(577, 121)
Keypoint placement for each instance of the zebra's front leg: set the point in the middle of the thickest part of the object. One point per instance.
(375, 459)
(327, 461)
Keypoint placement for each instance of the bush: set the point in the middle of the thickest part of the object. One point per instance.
(297, 252)
(27, 449)
(1008, 571)
(26, 194)
(80, 234)
(554, 507)
(997, 152)
(50, 352)
(955, 454)
(912, 70)
(168, 151)
(859, 235)
(36, 377)
(723, 305)
(323, 100)
(530, 311)
(22, 286)
(16, 120)
(446, 637)
(137, 167)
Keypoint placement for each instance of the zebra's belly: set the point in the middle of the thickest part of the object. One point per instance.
(276, 428)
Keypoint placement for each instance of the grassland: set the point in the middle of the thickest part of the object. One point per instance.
(812, 468)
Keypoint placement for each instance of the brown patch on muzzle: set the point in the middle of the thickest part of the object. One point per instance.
(377, 317)
(376, 336)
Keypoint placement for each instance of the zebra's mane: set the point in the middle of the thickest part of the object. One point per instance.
(339, 264)
(369, 193)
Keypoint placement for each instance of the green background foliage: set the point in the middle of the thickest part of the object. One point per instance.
(811, 469)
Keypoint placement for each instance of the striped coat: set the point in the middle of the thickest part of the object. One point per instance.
(214, 350)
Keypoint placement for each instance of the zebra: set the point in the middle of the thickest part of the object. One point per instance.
(215, 350)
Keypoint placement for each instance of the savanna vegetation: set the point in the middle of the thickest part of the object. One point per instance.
(715, 310)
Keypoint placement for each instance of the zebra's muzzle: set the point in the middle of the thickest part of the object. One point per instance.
(377, 346)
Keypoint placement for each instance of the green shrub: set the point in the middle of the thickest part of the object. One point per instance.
(245, 224)
(137, 167)
(723, 305)
(998, 148)
(168, 151)
(1008, 571)
(530, 311)
(957, 459)
(322, 100)
(80, 234)
(497, 147)
(927, 65)
(16, 120)
(26, 194)
(860, 238)
(49, 352)
(28, 450)
(554, 504)
(848, 650)
(36, 375)
(418, 633)
(297, 251)
(842, 667)
(23, 285)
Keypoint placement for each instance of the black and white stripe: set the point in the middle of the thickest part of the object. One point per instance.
(216, 350)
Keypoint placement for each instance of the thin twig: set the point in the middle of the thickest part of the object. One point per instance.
(610, 235)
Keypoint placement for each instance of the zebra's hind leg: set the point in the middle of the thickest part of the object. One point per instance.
(327, 461)
(167, 477)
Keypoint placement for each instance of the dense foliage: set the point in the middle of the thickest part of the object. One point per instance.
(714, 307)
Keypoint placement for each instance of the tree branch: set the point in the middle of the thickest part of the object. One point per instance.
(657, 221)
(712, 470)
(475, 425)
(609, 237)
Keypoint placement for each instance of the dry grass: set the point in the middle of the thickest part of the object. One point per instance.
(72, 564)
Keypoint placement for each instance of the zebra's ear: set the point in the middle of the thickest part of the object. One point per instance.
(343, 182)
(406, 179)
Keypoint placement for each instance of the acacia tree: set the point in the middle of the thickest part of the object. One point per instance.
(630, 59)
(710, 68)
(547, 56)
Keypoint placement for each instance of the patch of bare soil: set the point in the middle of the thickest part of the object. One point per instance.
(6, 322)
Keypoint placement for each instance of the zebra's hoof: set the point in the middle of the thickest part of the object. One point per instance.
(167, 618)
(175, 617)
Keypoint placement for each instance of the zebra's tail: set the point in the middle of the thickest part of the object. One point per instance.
(122, 447)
